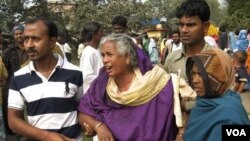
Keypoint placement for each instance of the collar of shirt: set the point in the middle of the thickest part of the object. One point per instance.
(59, 64)
(181, 53)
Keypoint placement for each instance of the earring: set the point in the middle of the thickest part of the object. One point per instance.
(127, 61)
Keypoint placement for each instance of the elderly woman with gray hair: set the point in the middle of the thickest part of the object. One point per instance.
(130, 99)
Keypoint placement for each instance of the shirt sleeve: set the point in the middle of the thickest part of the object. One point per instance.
(242, 75)
(79, 94)
(88, 67)
(67, 47)
(15, 99)
(166, 64)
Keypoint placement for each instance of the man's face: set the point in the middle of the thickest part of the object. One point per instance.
(192, 30)
(97, 36)
(18, 36)
(37, 42)
(119, 29)
(176, 38)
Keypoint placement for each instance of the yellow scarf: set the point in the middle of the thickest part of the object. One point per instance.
(143, 88)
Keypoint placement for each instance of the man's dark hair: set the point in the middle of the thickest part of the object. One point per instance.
(222, 29)
(176, 31)
(240, 56)
(89, 30)
(194, 8)
(52, 29)
(120, 20)
(237, 32)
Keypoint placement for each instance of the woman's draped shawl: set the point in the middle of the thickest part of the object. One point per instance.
(205, 116)
(146, 122)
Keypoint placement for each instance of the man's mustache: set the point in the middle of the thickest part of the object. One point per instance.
(30, 50)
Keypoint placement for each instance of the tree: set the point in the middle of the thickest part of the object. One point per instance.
(217, 13)
(104, 11)
(10, 12)
(238, 14)
(14, 12)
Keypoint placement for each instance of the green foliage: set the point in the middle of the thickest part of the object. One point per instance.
(216, 13)
(104, 12)
(234, 5)
(238, 14)
(71, 21)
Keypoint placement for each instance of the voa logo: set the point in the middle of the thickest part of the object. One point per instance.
(236, 132)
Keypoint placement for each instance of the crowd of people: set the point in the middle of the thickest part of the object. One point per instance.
(126, 87)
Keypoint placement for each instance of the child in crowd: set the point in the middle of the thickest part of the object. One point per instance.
(241, 76)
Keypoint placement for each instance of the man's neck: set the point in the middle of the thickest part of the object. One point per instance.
(194, 49)
(46, 65)
(92, 44)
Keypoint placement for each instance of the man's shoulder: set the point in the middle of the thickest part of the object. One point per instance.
(242, 71)
(207, 47)
(89, 51)
(70, 66)
(11, 48)
(171, 59)
(22, 71)
(174, 55)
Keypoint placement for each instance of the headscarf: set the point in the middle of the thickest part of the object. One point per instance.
(216, 70)
(18, 27)
(242, 42)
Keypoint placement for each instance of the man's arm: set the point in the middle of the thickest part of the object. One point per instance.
(240, 87)
(166, 64)
(18, 125)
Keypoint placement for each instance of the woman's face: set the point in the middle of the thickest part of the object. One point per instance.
(114, 63)
(197, 81)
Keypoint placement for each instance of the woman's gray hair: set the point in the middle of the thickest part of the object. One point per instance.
(124, 45)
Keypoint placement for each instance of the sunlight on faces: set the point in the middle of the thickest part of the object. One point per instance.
(197, 81)
(37, 42)
(114, 63)
(192, 29)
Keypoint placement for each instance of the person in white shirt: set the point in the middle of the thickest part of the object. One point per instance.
(172, 44)
(67, 50)
(80, 49)
(211, 41)
(153, 51)
(91, 60)
(176, 41)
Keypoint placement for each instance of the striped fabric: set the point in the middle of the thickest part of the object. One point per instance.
(51, 103)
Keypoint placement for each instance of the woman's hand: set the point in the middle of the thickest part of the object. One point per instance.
(103, 133)
(89, 132)
(179, 136)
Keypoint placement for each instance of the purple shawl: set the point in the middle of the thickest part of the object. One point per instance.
(147, 122)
